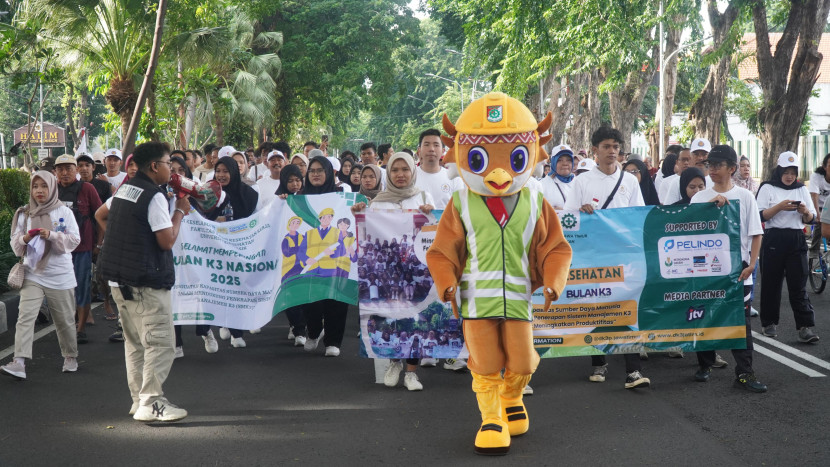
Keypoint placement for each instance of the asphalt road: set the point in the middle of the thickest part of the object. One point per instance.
(273, 404)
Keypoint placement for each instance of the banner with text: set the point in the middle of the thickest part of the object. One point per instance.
(652, 278)
(400, 313)
(239, 274)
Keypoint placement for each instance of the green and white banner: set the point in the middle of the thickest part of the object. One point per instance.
(239, 274)
(652, 278)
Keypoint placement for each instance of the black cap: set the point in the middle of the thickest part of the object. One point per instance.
(723, 153)
(47, 164)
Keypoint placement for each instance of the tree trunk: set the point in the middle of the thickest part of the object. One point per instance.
(587, 110)
(70, 119)
(705, 114)
(787, 82)
(673, 33)
(625, 102)
(553, 87)
(128, 139)
(218, 127)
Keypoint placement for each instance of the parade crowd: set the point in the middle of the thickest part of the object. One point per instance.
(101, 226)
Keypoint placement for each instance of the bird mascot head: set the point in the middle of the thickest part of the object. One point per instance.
(496, 144)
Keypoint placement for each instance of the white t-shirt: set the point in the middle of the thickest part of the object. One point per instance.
(439, 185)
(258, 172)
(750, 219)
(556, 191)
(672, 195)
(664, 186)
(58, 273)
(658, 180)
(770, 195)
(820, 186)
(594, 184)
(267, 189)
(413, 202)
(117, 180)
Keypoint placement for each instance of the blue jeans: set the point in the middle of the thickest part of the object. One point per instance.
(82, 263)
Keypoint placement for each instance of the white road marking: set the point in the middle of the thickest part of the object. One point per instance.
(788, 362)
(792, 350)
(10, 350)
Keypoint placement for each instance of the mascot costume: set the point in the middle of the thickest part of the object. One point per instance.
(496, 243)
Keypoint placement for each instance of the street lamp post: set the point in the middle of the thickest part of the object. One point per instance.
(419, 99)
(460, 89)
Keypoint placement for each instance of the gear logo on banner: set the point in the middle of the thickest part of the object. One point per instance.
(569, 221)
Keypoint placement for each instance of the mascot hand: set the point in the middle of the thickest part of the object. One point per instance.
(549, 297)
(449, 296)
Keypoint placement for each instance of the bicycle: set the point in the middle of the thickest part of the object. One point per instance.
(817, 268)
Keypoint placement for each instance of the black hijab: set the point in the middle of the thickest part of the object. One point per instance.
(775, 179)
(355, 186)
(685, 178)
(287, 172)
(243, 198)
(668, 165)
(328, 186)
(646, 184)
(343, 176)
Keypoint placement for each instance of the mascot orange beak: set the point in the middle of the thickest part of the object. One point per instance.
(498, 181)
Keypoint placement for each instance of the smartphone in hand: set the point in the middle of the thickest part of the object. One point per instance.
(34, 232)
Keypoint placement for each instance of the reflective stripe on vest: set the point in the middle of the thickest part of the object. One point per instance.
(496, 278)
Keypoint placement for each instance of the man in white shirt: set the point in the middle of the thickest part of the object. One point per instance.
(607, 186)
(432, 178)
(260, 169)
(204, 172)
(684, 159)
(114, 175)
(723, 161)
(268, 185)
(700, 151)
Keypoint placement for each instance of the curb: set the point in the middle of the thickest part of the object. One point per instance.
(9, 303)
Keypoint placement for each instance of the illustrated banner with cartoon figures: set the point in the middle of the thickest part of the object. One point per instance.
(239, 274)
(400, 313)
(652, 278)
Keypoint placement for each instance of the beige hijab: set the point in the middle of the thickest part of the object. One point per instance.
(39, 213)
(370, 194)
(393, 194)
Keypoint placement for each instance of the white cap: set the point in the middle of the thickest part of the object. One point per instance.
(112, 152)
(227, 151)
(788, 159)
(275, 153)
(586, 164)
(701, 144)
(560, 149)
(98, 157)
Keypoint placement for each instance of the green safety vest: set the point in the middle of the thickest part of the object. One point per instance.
(496, 278)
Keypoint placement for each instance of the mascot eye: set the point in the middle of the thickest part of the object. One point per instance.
(518, 159)
(478, 159)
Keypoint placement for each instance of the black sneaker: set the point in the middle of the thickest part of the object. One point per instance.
(770, 331)
(635, 379)
(702, 375)
(749, 382)
(82, 338)
(41, 318)
(117, 336)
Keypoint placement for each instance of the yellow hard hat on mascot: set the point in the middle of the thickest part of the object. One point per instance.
(496, 144)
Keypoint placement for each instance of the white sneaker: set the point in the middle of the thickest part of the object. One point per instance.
(299, 341)
(134, 408)
(211, 346)
(70, 364)
(238, 342)
(332, 351)
(256, 331)
(455, 364)
(527, 391)
(429, 362)
(311, 344)
(159, 411)
(393, 373)
(18, 370)
(224, 334)
(753, 312)
(291, 332)
(179, 353)
(410, 380)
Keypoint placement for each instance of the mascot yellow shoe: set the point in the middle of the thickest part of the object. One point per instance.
(496, 243)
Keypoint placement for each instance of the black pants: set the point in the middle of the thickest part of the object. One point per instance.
(785, 255)
(328, 315)
(201, 330)
(743, 357)
(632, 361)
(296, 320)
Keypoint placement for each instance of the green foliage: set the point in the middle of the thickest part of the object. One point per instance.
(14, 193)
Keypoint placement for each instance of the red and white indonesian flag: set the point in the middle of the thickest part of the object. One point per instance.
(82, 148)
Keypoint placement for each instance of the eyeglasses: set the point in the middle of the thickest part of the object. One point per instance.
(715, 165)
(169, 163)
(317, 171)
(633, 171)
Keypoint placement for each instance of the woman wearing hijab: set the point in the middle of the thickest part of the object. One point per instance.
(301, 161)
(785, 206)
(370, 181)
(557, 186)
(666, 170)
(638, 168)
(240, 202)
(345, 172)
(324, 319)
(291, 183)
(400, 194)
(354, 177)
(692, 180)
(743, 176)
(48, 222)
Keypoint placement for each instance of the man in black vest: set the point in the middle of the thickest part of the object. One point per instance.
(136, 258)
(82, 199)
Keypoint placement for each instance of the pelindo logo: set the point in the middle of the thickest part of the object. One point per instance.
(668, 245)
(699, 244)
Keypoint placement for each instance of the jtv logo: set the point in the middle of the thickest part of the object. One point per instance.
(695, 313)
